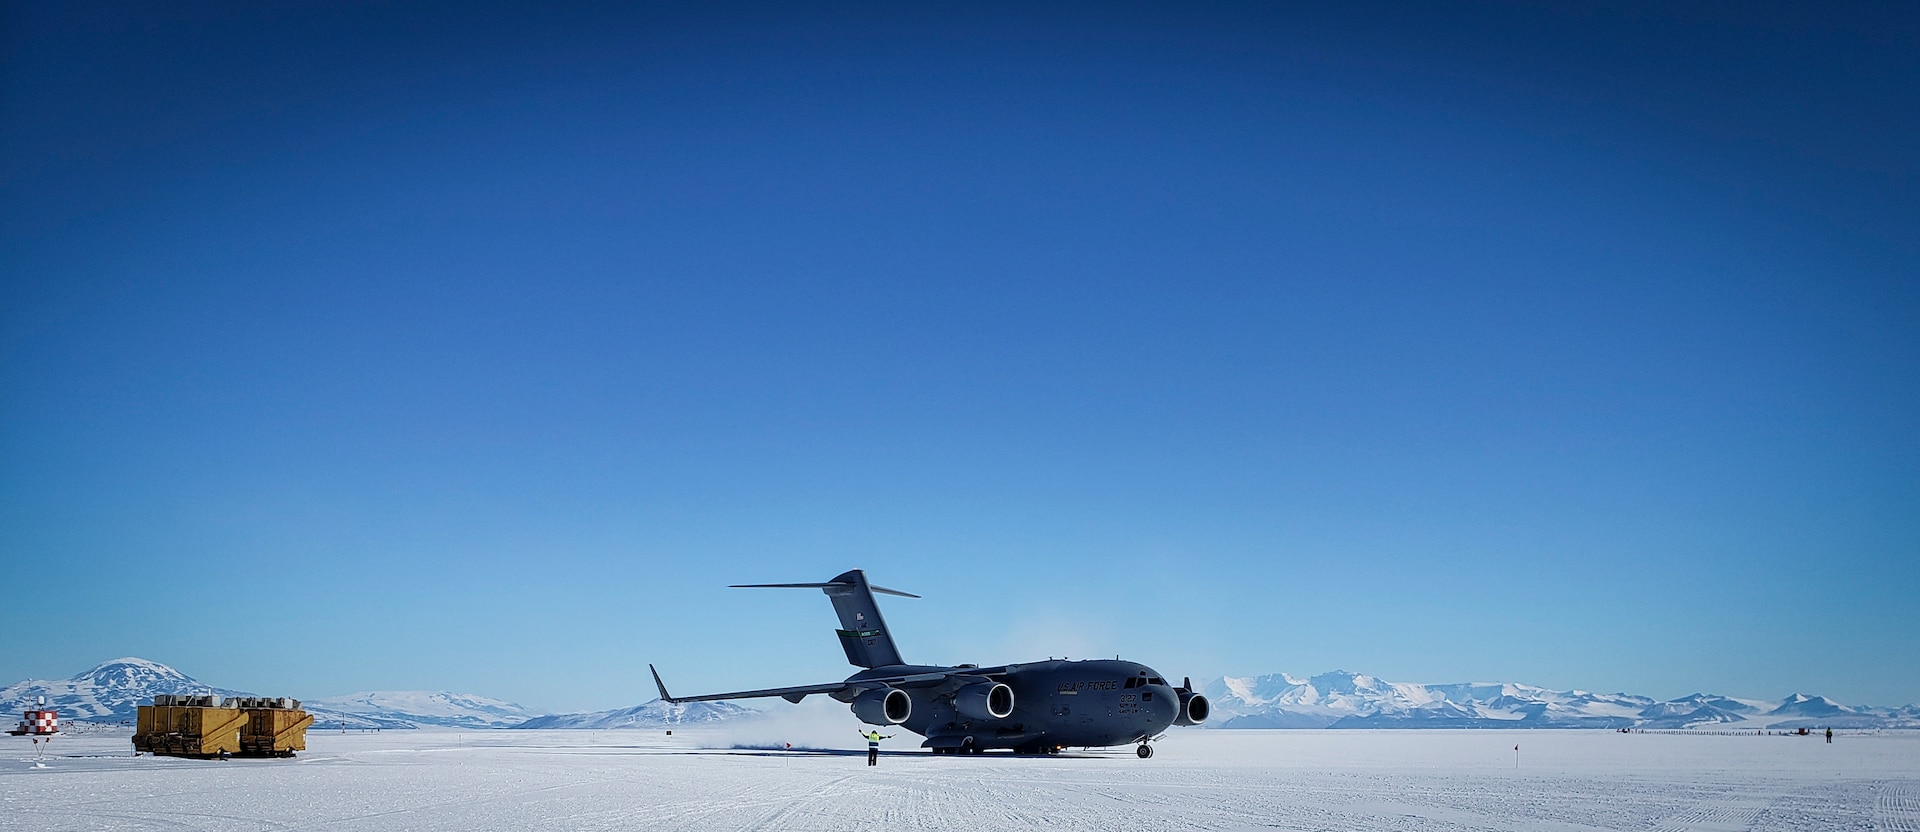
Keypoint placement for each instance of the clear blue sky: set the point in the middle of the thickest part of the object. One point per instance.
(479, 346)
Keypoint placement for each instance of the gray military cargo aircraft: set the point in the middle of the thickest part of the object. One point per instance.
(1032, 708)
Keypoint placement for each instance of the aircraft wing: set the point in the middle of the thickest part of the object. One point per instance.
(799, 692)
(792, 694)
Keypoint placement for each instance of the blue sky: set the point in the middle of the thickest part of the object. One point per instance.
(480, 347)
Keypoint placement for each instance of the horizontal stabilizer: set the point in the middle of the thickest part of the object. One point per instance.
(830, 585)
(862, 633)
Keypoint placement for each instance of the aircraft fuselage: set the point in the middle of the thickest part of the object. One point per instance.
(1056, 704)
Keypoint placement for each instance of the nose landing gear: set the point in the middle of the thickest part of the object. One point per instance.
(1144, 751)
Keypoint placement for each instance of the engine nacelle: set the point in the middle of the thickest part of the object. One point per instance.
(984, 700)
(1194, 709)
(883, 706)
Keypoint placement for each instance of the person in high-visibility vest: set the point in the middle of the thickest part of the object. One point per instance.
(873, 745)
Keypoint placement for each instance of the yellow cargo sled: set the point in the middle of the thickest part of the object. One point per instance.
(207, 726)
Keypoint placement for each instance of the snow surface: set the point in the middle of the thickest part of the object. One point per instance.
(1218, 779)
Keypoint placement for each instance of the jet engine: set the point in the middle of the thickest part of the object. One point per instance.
(883, 706)
(1194, 708)
(984, 700)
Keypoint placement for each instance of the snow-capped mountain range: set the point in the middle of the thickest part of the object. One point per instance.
(648, 715)
(388, 708)
(1354, 700)
(109, 693)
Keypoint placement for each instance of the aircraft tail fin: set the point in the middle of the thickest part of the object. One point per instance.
(863, 633)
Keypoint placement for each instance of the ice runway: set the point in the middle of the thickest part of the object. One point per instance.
(1200, 779)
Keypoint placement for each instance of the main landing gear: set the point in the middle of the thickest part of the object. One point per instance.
(1038, 750)
(1144, 751)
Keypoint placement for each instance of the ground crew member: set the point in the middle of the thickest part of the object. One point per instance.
(1829, 736)
(873, 745)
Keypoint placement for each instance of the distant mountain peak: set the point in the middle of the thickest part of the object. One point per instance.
(1800, 704)
(109, 691)
(132, 670)
(133, 661)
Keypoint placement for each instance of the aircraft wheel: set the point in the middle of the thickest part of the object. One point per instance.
(1144, 751)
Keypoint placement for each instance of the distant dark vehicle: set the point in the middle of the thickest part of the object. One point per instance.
(1032, 708)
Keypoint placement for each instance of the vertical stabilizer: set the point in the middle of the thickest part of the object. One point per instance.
(863, 633)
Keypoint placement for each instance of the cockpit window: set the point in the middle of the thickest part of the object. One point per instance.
(1133, 683)
(1156, 681)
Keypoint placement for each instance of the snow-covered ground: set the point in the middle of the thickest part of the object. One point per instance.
(1215, 779)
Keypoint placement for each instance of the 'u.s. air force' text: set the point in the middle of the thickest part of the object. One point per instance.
(1074, 688)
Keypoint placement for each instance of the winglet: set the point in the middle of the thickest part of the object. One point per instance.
(664, 696)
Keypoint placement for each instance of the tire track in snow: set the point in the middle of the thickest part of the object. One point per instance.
(1897, 808)
(1716, 817)
(135, 820)
(723, 808)
(778, 818)
(494, 797)
(977, 802)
